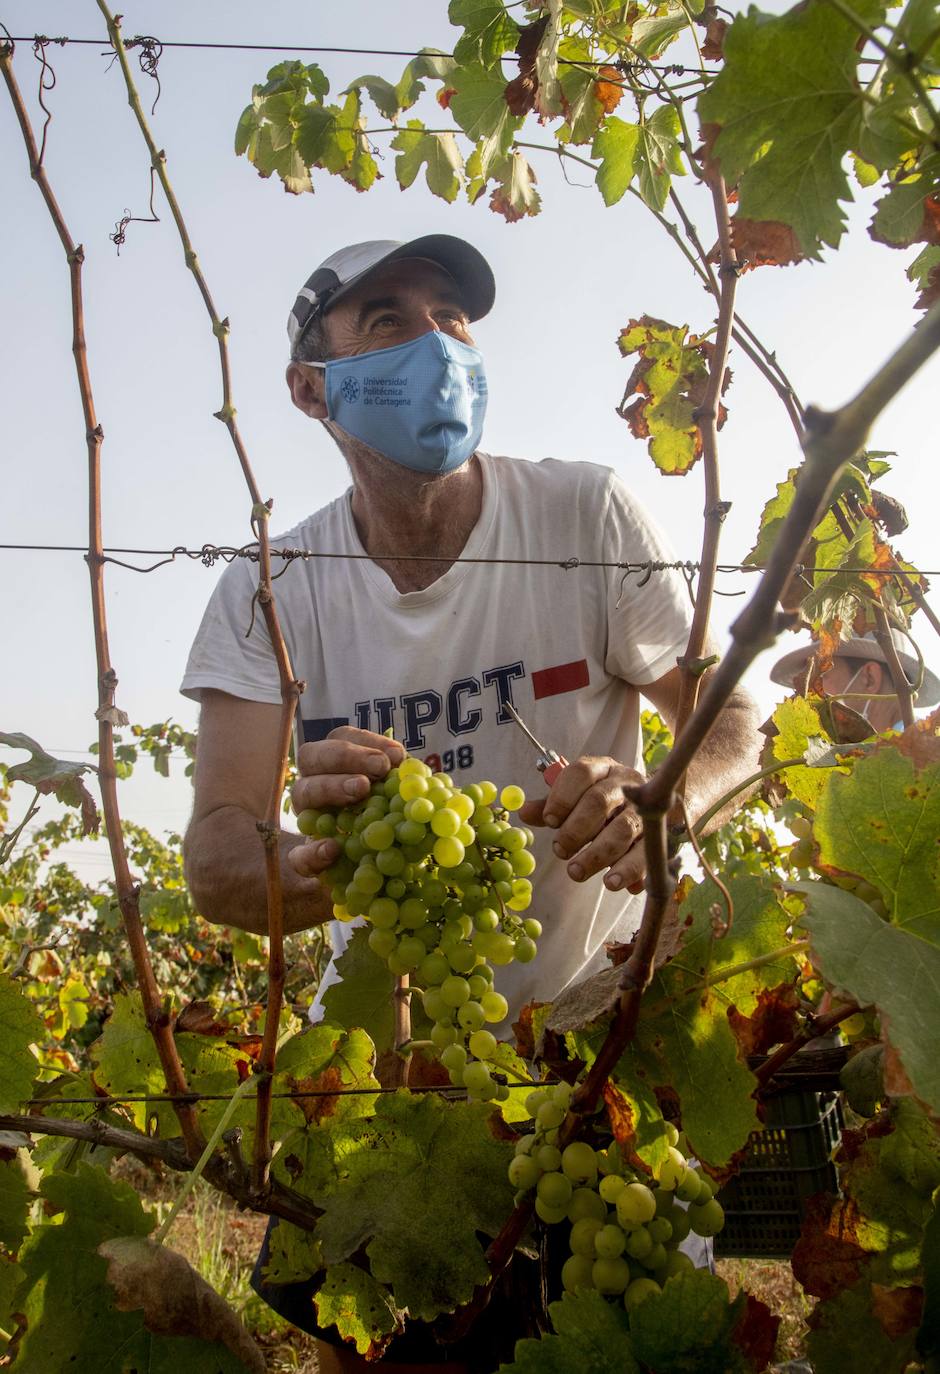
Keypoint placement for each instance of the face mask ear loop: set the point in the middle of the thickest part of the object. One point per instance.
(867, 707)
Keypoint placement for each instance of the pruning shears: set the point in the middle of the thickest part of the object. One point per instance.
(549, 762)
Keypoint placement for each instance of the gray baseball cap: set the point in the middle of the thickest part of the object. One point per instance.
(867, 649)
(345, 268)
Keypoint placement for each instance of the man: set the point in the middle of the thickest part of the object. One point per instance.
(860, 677)
(449, 603)
(433, 647)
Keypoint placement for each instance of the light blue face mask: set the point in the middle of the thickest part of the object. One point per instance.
(420, 403)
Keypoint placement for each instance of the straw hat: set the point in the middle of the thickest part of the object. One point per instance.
(867, 649)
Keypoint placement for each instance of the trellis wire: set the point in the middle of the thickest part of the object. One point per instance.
(209, 554)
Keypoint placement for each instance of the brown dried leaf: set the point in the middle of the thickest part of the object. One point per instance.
(713, 49)
(764, 243)
(921, 741)
(899, 1310)
(174, 1299)
(774, 1021)
(524, 1029)
(199, 1018)
(827, 1257)
(522, 92)
(609, 88)
(755, 1333)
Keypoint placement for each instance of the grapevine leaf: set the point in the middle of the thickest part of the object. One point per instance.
(910, 212)
(591, 1335)
(363, 995)
(616, 145)
(924, 271)
(790, 107)
(515, 196)
(54, 777)
(385, 97)
(20, 1025)
(586, 98)
(658, 158)
(361, 1309)
(505, 1061)
(763, 243)
(326, 1057)
(439, 151)
(489, 31)
(881, 965)
(14, 1202)
(862, 1080)
(845, 1334)
(882, 822)
(11, 1277)
(800, 732)
(685, 1043)
(652, 35)
(174, 1300)
(669, 380)
(325, 134)
(689, 1326)
(412, 1191)
(479, 107)
(293, 1254)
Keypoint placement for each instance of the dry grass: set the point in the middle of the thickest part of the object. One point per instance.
(221, 1243)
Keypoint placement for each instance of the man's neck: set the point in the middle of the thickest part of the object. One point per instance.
(430, 515)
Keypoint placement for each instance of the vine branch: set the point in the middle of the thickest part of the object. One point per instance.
(107, 714)
(291, 688)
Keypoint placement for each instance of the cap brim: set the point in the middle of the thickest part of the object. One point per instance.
(459, 259)
(786, 668)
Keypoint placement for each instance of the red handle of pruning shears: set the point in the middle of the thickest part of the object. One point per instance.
(549, 762)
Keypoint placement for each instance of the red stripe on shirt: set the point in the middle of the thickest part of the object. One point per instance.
(566, 677)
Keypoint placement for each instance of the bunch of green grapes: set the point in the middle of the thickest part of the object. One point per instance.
(801, 853)
(442, 877)
(624, 1232)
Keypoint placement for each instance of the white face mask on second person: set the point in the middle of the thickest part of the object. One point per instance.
(848, 687)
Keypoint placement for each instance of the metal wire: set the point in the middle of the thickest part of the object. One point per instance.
(209, 554)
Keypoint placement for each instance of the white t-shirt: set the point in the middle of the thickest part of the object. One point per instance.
(567, 648)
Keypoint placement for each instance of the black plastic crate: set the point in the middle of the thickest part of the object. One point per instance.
(786, 1161)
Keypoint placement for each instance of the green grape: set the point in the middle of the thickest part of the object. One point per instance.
(532, 928)
(395, 965)
(582, 1236)
(368, 880)
(395, 888)
(435, 1006)
(410, 952)
(555, 1190)
(523, 863)
(482, 1043)
(576, 1273)
(525, 950)
(523, 1172)
(501, 871)
(586, 1203)
(688, 1186)
(383, 913)
(550, 1215)
(390, 862)
(307, 821)
(470, 1015)
(609, 1242)
(443, 1035)
(672, 1133)
(635, 1205)
(681, 1226)
(512, 798)
(535, 1099)
(326, 826)
(579, 1163)
(382, 942)
(611, 1186)
(413, 913)
(502, 950)
(660, 1228)
(476, 1077)
(639, 1243)
(548, 1158)
(455, 991)
(638, 1291)
(410, 832)
(454, 1057)
(412, 787)
(706, 1191)
(486, 919)
(445, 823)
(449, 852)
(487, 792)
(656, 1258)
(677, 1262)
(462, 958)
(434, 968)
(562, 1094)
(672, 1170)
(549, 1115)
(708, 1219)
(611, 1276)
(479, 986)
(495, 1007)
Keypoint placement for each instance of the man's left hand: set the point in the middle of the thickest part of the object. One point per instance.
(597, 827)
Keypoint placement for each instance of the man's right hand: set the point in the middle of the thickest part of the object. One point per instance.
(336, 772)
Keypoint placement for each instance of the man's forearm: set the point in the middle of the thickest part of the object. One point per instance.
(728, 756)
(225, 869)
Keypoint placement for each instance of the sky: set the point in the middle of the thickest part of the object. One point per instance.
(568, 281)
